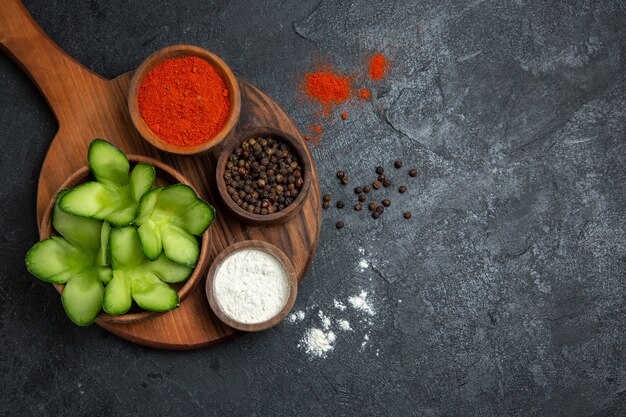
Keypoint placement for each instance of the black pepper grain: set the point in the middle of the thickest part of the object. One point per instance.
(358, 190)
(340, 174)
(402, 189)
(345, 180)
(387, 183)
(372, 206)
(362, 198)
(325, 205)
(340, 204)
(367, 189)
(407, 215)
(339, 225)
(375, 215)
(398, 164)
(376, 185)
(358, 207)
(326, 197)
(379, 170)
(413, 172)
(386, 202)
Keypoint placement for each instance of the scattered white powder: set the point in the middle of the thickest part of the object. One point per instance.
(296, 317)
(324, 319)
(251, 286)
(359, 302)
(363, 264)
(344, 325)
(366, 339)
(339, 305)
(317, 342)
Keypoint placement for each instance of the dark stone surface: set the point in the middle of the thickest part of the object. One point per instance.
(503, 295)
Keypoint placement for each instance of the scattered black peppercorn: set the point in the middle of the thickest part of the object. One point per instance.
(397, 164)
(340, 174)
(375, 215)
(413, 172)
(263, 175)
(367, 189)
(379, 170)
(326, 205)
(326, 197)
(372, 206)
(380, 209)
(340, 204)
(376, 185)
(339, 225)
(345, 180)
(358, 207)
(407, 215)
(386, 202)
(402, 189)
(382, 177)
(358, 190)
(387, 183)
(362, 198)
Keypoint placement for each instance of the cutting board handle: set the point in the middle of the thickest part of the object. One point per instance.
(42, 59)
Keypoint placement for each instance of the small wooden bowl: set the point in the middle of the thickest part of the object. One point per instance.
(272, 250)
(297, 146)
(181, 51)
(165, 176)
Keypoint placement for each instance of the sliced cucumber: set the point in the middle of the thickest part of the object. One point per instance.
(81, 232)
(104, 256)
(180, 246)
(124, 215)
(169, 218)
(141, 179)
(125, 248)
(169, 271)
(150, 240)
(105, 274)
(108, 164)
(82, 297)
(91, 199)
(150, 293)
(147, 204)
(56, 260)
(117, 298)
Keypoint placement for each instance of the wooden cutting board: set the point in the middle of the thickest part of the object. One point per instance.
(86, 106)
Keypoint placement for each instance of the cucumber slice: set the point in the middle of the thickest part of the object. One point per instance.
(124, 215)
(104, 257)
(56, 260)
(150, 293)
(104, 274)
(90, 199)
(169, 218)
(141, 180)
(82, 297)
(150, 240)
(169, 271)
(108, 164)
(125, 248)
(81, 232)
(180, 246)
(117, 299)
(197, 218)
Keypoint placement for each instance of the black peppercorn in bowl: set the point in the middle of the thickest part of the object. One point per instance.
(264, 175)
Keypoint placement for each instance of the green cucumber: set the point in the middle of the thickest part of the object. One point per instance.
(104, 256)
(108, 164)
(117, 298)
(125, 248)
(73, 259)
(169, 219)
(169, 271)
(115, 194)
(82, 297)
(150, 293)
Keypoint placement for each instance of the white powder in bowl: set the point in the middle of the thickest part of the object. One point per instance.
(251, 286)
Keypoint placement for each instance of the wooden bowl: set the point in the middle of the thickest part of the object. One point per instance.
(165, 176)
(181, 51)
(291, 275)
(297, 146)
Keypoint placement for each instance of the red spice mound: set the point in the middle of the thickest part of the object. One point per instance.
(328, 87)
(378, 66)
(184, 101)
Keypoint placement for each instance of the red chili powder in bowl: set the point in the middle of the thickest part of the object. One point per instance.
(184, 101)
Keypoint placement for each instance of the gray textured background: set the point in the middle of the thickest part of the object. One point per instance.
(511, 272)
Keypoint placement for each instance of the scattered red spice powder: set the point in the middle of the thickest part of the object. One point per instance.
(344, 115)
(184, 101)
(328, 87)
(316, 129)
(378, 66)
(365, 94)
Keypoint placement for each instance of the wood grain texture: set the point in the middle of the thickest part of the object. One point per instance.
(87, 106)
